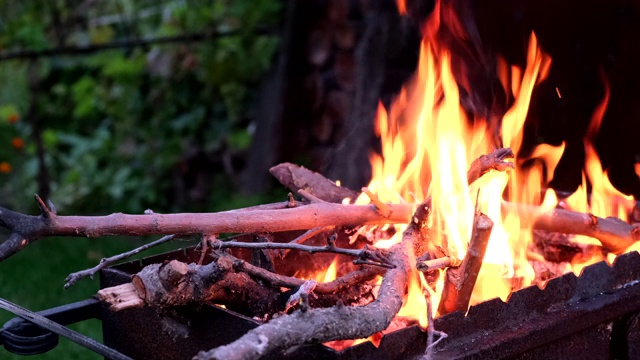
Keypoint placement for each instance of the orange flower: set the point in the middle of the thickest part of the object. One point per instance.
(13, 118)
(5, 167)
(17, 143)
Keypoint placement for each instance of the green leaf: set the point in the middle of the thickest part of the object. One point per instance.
(101, 34)
(239, 140)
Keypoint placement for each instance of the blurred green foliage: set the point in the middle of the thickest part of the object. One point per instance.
(123, 130)
(121, 127)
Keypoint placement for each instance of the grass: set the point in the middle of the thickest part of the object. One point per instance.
(34, 279)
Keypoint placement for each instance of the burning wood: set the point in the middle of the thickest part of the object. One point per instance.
(230, 282)
(459, 282)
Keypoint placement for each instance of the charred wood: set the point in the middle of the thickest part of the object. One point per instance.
(295, 178)
(459, 282)
(614, 234)
(557, 247)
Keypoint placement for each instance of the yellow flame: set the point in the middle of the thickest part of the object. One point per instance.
(428, 143)
(331, 273)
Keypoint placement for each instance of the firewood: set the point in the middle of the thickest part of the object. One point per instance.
(295, 177)
(340, 322)
(614, 234)
(231, 282)
(459, 282)
(557, 247)
(177, 283)
(337, 322)
(121, 297)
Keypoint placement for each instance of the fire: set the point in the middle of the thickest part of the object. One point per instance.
(331, 273)
(428, 142)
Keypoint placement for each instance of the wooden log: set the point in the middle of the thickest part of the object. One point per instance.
(178, 283)
(615, 235)
(557, 247)
(296, 177)
(231, 282)
(459, 282)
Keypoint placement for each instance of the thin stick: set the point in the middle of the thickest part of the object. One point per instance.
(278, 280)
(383, 208)
(430, 327)
(74, 277)
(310, 233)
(441, 263)
(375, 257)
(459, 282)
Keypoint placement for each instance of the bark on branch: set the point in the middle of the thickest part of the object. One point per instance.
(26, 229)
(296, 177)
(231, 282)
(614, 234)
(460, 281)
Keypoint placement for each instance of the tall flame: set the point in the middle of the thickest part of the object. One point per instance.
(428, 142)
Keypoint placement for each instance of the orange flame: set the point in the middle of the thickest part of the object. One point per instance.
(402, 7)
(428, 143)
(332, 272)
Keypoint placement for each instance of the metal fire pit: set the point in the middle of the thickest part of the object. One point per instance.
(594, 315)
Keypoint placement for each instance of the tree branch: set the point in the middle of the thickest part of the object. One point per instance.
(278, 280)
(614, 234)
(296, 178)
(460, 281)
(374, 256)
(105, 262)
(26, 229)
